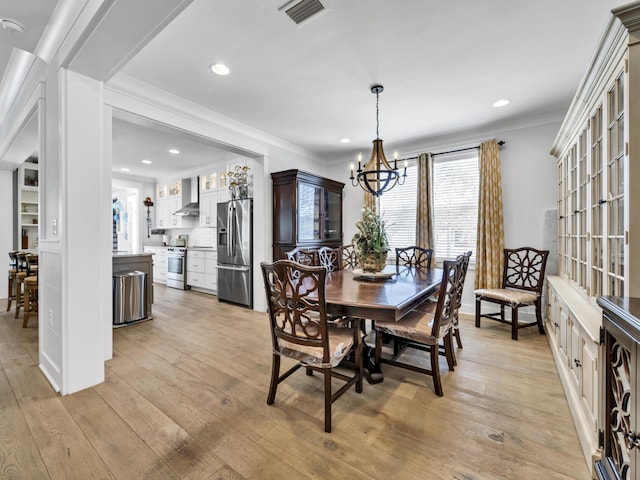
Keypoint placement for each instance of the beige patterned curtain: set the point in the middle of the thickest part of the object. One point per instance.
(490, 246)
(424, 216)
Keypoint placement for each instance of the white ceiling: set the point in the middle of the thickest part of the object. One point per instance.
(442, 64)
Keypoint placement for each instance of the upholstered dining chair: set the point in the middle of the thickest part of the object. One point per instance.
(423, 330)
(349, 257)
(303, 256)
(330, 258)
(414, 256)
(522, 282)
(300, 330)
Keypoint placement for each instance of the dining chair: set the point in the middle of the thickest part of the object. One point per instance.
(299, 330)
(423, 330)
(11, 278)
(414, 256)
(303, 256)
(522, 282)
(330, 258)
(349, 257)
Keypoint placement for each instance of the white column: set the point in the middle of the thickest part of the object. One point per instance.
(75, 333)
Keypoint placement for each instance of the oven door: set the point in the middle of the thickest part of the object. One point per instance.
(175, 271)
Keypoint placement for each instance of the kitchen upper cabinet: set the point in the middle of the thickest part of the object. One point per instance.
(162, 213)
(208, 213)
(307, 211)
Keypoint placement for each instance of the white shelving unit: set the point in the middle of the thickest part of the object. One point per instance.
(28, 206)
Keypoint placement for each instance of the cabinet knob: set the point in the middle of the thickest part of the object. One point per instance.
(577, 362)
(556, 324)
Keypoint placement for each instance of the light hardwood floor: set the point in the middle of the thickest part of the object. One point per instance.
(185, 397)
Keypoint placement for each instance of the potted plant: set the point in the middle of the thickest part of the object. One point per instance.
(370, 241)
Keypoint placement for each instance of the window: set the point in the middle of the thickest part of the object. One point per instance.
(455, 209)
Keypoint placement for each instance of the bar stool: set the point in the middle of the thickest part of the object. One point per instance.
(11, 278)
(30, 298)
(21, 274)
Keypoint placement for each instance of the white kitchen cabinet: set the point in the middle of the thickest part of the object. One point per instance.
(160, 255)
(202, 270)
(175, 204)
(208, 213)
(162, 213)
(573, 327)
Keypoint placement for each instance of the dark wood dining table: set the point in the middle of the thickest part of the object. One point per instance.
(390, 298)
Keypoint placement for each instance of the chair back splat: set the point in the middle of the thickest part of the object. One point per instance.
(303, 256)
(414, 256)
(300, 330)
(330, 258)
(522, 283)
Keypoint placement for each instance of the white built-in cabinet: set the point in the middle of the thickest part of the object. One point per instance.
(160, 255)
(202, 270)
(28, 206)
(598, 195)
(208, 212)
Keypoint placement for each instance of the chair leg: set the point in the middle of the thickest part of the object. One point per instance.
(539, 316)
(435, 370)
(456, 332)
(514, 323)
(309, 372)
(327, 400)
(478, 301)
(11, 287)
(19, 298)
(378, 352)
(359, 362)
(502, 312)
(275, 373)
(448, 350)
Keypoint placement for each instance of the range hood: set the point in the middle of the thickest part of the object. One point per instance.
(190, 198)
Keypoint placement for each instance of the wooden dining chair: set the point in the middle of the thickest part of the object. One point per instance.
(414, 256)
(330, 258)
(423, 330)
(299, 330)
(303, 256)
(522, 282)
(349, 257)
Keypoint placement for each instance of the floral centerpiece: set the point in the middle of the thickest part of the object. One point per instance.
(370, 242)
(239, 181)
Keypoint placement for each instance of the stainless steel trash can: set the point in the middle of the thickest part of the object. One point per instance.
(129, 297)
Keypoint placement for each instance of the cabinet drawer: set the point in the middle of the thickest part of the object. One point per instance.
(195, 254)
(195, 265)
(196, 279)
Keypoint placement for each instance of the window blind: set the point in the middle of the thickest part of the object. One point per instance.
(398, 208)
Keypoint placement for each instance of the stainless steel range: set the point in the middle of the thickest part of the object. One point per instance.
(177, 268)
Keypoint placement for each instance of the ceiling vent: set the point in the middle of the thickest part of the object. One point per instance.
(301, 11)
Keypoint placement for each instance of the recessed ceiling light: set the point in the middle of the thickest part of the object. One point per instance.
(501, 103)
(124, 169)
(219, 69)
(147, 162)
(174, 151)
(345, 140)
(11, 26)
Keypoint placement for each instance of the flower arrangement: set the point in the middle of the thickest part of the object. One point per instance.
(371, 240)
(239, 177)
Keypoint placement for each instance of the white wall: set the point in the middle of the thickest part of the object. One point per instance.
(6, 220)
(528, 189)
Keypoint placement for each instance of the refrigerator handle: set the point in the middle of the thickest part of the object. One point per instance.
(229, 230)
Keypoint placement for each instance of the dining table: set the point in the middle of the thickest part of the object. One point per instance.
(387, 295)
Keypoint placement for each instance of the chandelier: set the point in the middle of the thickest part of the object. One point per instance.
(377, 176)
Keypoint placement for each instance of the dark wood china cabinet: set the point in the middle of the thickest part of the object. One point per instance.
(307, 211)
(621, 436)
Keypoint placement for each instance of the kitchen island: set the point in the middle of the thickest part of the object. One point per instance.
(126, 262)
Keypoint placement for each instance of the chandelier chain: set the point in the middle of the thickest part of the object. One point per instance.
(377, 115)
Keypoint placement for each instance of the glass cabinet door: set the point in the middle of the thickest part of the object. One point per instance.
(308, 212)
(332, 215)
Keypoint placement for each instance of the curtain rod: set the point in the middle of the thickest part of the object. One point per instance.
(500, 143)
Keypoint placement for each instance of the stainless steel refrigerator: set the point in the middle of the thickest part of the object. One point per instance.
(235, 252)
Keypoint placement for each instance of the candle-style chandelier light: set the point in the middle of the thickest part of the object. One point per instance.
(378, 176)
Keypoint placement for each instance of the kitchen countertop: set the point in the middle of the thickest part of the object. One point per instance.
(122, 253)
